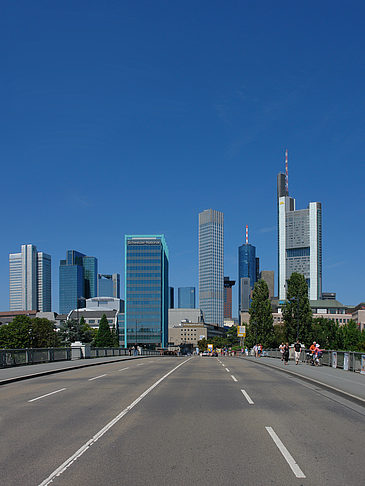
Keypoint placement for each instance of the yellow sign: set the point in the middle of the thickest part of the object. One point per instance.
(210, 348)
(241, 331)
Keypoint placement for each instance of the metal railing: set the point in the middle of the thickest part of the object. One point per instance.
(19, 357)
(332, 358)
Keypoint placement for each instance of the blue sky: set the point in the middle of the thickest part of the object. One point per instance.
(132, 117)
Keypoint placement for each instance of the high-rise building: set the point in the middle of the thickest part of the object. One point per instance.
(30, 280)
(269, 277)
(77, 280)
(186, 297)
(109, 285)
(211, 261)
(171, 297)
(146, 291)
(247, 274)
(299, 240)
(228, 284)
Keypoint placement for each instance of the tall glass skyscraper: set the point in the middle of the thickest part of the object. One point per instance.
(77, 280)
(211, 265)
(247, 275)
(146, 291)
(109, 285)
(30, 280)
(186, 297)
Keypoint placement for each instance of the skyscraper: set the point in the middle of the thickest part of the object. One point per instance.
(30, 280)
(146, 291)
(228, 284)
(77, 280)
(186, 297)
(211, 256)
(247, 273)
(299, 240)
(109, 285)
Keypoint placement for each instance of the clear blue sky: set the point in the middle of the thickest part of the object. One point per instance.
(132, 117)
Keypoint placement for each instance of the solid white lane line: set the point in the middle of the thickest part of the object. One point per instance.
(227, 370)
(96, 377)
(287, 456)
(62, 468)
(246, 395)
(47, 395)
(234, 378)
(124, 369)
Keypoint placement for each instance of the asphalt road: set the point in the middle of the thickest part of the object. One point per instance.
(178, 421)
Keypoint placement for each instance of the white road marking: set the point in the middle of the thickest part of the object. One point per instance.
(124, 369)
(140, 364)
(62, 468)
(234, 378)
(246, 395)
(96, 377)
(227, 370)
(287, 456)
(47, 395)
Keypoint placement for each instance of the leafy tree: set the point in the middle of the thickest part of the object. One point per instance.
(203, 344)
(43, 334)
(261, 327)
(351, 336)
(327, 333)
(73, 330)
(115, 336)
(24, 332)
(279, 336)
(297, 312)
(104, 337)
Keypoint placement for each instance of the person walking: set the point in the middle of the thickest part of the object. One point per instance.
(281, 349)
(297, 351)
(286, 353)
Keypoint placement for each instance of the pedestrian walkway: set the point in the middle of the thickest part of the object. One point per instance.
(345, 381)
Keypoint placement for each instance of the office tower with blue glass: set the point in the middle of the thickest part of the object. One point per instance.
(171, 297)
(299, 240)
(146, 291)
(30, 280)
(211, 266)
(109, 285)
(247, 274)
(77, 280)
(186, 297)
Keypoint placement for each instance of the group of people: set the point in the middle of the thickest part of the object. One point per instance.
(315, 353)
(284, 350)
(257, 350)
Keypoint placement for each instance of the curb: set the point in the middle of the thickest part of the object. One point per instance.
(337, 391)
(61, 370)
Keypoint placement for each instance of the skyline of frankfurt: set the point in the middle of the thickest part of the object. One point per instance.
(132, 119)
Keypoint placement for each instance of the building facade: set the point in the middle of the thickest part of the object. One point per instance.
(171, 298)
(77, 280)
(268, 276)
(108, 285)
(228, 284)
(299, 242)
(30, 280)
(211, 266)
(146, 291)
(247, 275)
(186, 297)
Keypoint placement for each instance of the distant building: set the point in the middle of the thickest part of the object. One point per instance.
(269, 277)
(107, 303)
(109, 285)
(211, 264)
(147, 291)
(299, 241)
(188, 334)
(30, 280)
(171, 297)
(248, 272)
(177, 316)
(228, 284)
(77, 280)
(186, 297)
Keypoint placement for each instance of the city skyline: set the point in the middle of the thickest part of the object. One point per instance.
(99, 110)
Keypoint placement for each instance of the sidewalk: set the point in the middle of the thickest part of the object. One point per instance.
(340, 381)
(18, 373)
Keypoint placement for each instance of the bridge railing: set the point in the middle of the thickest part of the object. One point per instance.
(18, 357)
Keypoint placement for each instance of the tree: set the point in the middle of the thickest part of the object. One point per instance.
(261, 327)
(327, 333)
(351, 336)
(115, 336)
(73, 330)
(203, 344)
(104, 337)
(43, 333)
(24, 332)
(297, 312)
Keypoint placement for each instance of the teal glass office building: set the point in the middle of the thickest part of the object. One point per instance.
(146, 291)
(186, 297)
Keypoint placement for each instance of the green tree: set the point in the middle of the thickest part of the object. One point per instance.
(104, 337)
(351, 336)
(327, 333)
(202, 344)
(43, 333)
(73, 330)
(115, 335)
(261, 326)
(17, 334)
(297, 312)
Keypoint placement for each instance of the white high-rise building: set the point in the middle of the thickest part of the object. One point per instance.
(30, 280)
(299, 242)
(211, 266)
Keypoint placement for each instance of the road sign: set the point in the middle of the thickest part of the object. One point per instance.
(241, 331)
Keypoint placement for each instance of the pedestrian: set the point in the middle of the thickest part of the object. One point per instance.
(286, 353)
(255, 349)
(281, 349)
(297, 351)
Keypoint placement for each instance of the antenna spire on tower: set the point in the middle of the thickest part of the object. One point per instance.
(286, 173)
(246, 234)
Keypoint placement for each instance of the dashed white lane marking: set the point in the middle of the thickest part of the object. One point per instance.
(246, 395)
(62, 468)
(124, 369)
(227, 370)
(140, 364)
(46, 395)
(234, 378)
(96, 377)
(287, 456)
